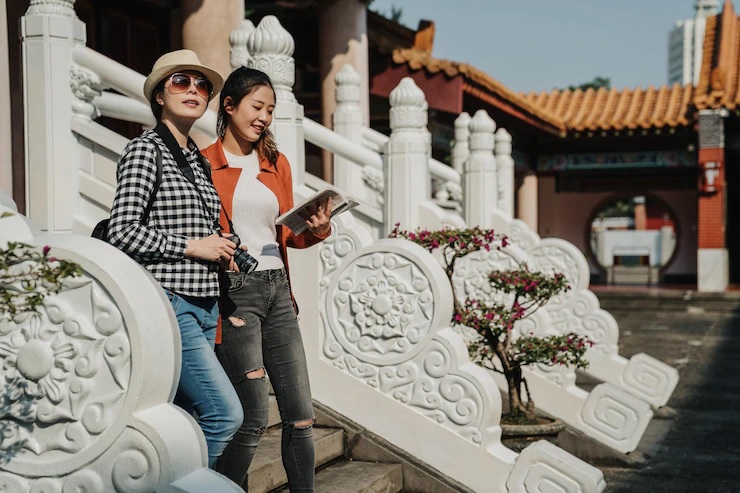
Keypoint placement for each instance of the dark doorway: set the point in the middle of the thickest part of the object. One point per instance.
(732, 180)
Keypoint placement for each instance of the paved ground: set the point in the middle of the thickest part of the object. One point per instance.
(701, 452)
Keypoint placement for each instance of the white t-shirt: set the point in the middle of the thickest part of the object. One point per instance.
(254, 211)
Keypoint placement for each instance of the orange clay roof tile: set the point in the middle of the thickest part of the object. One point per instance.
(719, 84)
(564, 110)
(480, 85)
(612, 109)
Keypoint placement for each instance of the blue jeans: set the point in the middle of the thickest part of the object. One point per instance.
(204, 386)
(263, 334)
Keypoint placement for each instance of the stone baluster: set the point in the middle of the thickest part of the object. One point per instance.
(481, 189)
(86, 86)
(270, 48)
(461, 149)
(505, 171)
(348, 122)
(238, 40)
(407, 179)
(49, 32)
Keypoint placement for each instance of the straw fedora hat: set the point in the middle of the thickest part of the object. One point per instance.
(180, 61)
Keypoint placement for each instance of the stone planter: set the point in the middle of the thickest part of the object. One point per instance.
(518, 437)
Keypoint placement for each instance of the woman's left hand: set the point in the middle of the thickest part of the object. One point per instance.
(319, 224)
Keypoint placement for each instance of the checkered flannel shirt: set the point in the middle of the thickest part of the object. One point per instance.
(177, 215)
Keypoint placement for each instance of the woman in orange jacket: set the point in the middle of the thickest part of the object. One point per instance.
(260, 329)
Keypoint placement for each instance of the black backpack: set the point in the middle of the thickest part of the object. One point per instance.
(101, 229)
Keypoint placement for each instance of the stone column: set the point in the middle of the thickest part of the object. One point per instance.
(407, 180)
(342, 40)
(206, 26)
(505, 172)
(479, 180)
(713, 263)
(49, 32)
(6, 145)
(527, 201)
(461, 149)
(348, 122)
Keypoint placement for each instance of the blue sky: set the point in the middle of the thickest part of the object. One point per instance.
(535, 45)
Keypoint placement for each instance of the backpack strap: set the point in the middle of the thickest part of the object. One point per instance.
(157, 183)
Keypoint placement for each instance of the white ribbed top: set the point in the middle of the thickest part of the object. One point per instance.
(255, 209)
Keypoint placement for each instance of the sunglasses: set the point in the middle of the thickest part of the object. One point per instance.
(179, 83)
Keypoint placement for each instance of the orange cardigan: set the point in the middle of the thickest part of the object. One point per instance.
(275, 177)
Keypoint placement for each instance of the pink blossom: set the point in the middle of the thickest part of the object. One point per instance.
(46, 249)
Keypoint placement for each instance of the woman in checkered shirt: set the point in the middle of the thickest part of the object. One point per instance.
(179, 243)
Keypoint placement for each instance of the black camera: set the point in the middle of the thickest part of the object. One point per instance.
(244, 261)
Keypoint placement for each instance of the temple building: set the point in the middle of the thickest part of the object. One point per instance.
(639, 179)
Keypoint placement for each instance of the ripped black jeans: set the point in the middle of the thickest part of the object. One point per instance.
(261, 334)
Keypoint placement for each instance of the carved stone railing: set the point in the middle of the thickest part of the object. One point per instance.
(606, 414)
(578, 310)
(377, 330)
(88, 380)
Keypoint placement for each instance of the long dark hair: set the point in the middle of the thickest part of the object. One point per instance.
(240, 83)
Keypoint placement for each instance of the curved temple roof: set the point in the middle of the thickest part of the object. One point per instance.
(562, 110)
(611, 109)
(719, 86)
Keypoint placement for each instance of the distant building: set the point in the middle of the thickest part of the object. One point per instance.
(685, 43)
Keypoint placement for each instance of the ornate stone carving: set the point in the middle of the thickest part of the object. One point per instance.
(408, 107)
(381, 307)
(86, 380)
(649, 378)
(239, 56)
(335, 249)
(618, 417)
(460, 150)
(271, 48)
(57, 7)
(86, 86)
(544, 467)
(481, 128)
(76, 364)
(347, 87)
(521, 236)
(373, 178)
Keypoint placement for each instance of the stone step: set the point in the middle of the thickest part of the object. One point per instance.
(360, 477)
(266, 472)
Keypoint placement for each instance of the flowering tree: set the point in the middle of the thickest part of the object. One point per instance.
(27, 276)
(496, 346)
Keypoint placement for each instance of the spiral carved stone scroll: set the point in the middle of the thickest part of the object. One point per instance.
(383, 308)
(87, 379)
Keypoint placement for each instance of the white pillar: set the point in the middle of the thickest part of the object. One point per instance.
(206, 26)
(348, 122)
(407, 180)
(271, 48)
(49, 31)
(342, 40)
(527, 201)
(461, 149)
(505, 172)
(479, 180)
(6, 145)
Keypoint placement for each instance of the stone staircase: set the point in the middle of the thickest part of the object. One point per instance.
(334, 472)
